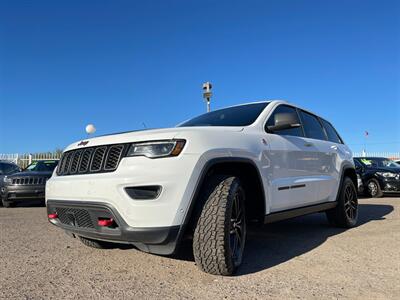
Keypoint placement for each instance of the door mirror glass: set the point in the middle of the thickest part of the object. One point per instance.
(284, 121)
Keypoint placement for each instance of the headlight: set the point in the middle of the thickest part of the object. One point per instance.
(7, 180)
(387, 174)
(157, 149)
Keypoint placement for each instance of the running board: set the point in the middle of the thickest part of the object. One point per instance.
(296, 212)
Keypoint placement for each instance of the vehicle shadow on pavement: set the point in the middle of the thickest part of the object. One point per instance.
(279, 242)
(276, 243)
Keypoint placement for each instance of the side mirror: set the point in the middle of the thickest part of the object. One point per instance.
(359, 168)
(284, 121)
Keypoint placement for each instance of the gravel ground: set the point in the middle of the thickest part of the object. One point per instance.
(299, 258)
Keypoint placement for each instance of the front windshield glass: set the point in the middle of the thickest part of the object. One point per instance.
(242, 115)
(42, 166)
(377, 162)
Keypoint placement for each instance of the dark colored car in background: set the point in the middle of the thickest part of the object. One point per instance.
(7, 168)
(379, 175)
(28, 184)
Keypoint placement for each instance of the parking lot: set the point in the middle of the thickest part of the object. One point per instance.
(299, 258)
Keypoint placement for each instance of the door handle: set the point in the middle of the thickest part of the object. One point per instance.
(308, 144)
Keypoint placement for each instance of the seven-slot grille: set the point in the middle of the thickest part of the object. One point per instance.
(28, 180)
(91, 160)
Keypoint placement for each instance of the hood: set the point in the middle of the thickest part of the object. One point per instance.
(383, 169)
(30, 174)
(148, 135)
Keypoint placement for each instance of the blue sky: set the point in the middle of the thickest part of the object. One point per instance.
(118, 64)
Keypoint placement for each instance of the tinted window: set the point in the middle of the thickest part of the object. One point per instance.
(42, 166)
(7, 168)
(287, 110)
(331, 132)
(379, 162)
(2, 168)
(242, 115)
(357, 163)
(312, 127)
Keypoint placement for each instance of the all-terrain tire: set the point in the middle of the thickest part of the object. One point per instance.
(345, 214)
(94, 243)
(218, 243)
(375, 192)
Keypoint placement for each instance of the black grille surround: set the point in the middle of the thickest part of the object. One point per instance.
(89, 160)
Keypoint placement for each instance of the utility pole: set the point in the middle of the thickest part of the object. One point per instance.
(207, 86)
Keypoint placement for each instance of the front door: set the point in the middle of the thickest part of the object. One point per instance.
(300, 164)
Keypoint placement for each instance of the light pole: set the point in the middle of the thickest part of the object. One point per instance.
(207, 86)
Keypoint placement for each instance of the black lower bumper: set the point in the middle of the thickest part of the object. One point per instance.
(12, 193)
(81, 219)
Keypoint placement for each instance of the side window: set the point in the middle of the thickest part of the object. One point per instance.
(312, 126)
(331, 132)
(357, 164)
(288, 110)
(7, 168)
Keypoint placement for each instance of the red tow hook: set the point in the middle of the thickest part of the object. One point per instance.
(53, 216)
(105, 222)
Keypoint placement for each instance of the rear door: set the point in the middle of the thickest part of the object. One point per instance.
(340, 152)
(325, 169)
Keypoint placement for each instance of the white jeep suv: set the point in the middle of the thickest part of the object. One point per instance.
(204, 179)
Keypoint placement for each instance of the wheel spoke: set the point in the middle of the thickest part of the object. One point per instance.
(237, 226)
(350, 202)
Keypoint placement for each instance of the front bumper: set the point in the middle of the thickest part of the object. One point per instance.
(177, 177)
(21, 192)
(81, 219)
(390, 185)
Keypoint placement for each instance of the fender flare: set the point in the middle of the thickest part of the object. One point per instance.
(345, 167)
(200, 181)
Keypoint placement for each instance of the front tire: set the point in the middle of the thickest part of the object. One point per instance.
(345, 214)
(374, 189)
(220, 234)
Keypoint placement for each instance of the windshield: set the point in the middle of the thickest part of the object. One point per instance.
(241, 115)
(378, 162)
(42, 166)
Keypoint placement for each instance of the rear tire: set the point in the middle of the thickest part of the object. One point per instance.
(374, 189)
(94, 243)
(220, 234)
(345, 214)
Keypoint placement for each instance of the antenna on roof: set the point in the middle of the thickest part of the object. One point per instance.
(207, 86)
